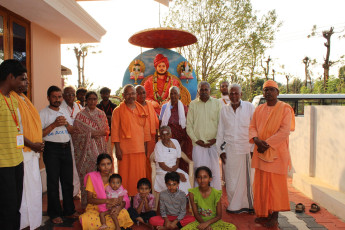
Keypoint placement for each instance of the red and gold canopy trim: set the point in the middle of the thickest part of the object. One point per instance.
(162, 38)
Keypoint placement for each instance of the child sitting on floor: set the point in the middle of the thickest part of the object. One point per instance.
(143, 203)
(172, 205)
(114, 191)
(206, 204)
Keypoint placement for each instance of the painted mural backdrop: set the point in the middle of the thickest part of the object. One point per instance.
(142, 66)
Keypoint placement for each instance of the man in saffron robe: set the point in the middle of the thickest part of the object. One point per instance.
(129, 135)
(157, 86)
(269, 130)
(151, 126)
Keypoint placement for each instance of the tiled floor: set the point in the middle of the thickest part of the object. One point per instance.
(287, 220)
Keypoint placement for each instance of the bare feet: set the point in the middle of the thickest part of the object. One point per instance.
(272, 221)
(140, 220)
(57, 220)
(104, 226)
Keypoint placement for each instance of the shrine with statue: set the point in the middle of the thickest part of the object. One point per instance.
(159, 68)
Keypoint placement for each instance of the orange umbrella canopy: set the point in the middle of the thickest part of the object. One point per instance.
(162, 38)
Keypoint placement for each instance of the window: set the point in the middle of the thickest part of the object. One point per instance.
(15, 39)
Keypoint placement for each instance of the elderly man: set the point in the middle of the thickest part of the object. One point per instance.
(202, 125)
(225, 93)
(73, 108)
(269, 130)
(151, 126)
(129, 135)
(68, 102)
(232, 143)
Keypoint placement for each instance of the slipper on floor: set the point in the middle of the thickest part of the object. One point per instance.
(299, 208)
(314, 208)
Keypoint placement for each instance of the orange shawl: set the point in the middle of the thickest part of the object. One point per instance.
(272, 126)
(154, 123)
(125, 113)
(31, 121)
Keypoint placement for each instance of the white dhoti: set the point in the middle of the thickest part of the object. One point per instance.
(76, 181)
(160, 182)
(31, 207)
(238, 178)
(208, 157)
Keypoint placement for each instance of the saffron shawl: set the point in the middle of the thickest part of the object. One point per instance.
(125, 113)
(272, 126)
(31, 121)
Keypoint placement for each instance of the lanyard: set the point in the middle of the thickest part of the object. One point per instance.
(13, 113)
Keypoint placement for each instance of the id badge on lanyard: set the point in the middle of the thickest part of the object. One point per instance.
(20, 141)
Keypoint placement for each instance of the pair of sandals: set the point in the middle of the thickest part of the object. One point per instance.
(300, 208)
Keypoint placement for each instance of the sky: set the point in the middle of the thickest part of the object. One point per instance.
(123, 18)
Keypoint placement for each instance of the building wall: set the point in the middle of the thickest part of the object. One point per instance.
(323, 128)
(45, 62)
(45, 67)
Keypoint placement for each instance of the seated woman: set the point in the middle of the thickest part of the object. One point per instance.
(167, 156)
(97, 200)
(173, 114)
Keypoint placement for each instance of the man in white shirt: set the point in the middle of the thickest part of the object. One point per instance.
(225, 93)
(57, 157)
(233, 144)
(73, 109)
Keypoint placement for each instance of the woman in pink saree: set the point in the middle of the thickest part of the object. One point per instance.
(89, 139)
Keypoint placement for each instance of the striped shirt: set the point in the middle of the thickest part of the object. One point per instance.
(10, 156)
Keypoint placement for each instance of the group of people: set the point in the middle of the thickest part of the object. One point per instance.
(77, 140)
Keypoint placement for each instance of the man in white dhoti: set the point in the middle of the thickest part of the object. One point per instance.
(224, 99)
(202, 125)
(167, 157)
(30, 125)
(73, 109)
(233, 130)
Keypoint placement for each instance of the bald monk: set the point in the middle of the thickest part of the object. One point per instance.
(157, 86)
(151, 125)
(269, 130)
(129, 135)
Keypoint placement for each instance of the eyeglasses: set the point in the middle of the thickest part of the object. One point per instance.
(69, 94)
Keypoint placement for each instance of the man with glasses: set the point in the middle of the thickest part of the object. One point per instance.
(130, 137)
(73, 109)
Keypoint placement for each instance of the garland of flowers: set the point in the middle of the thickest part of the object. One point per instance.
(156, 96)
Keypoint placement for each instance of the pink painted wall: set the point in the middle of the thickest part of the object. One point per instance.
(45, 64)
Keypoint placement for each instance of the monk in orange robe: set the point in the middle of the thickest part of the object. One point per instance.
(157, 86)
(129, 135)
(151, 126)
(269, 130)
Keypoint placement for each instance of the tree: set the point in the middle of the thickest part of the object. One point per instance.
(223, 29)
(267, 68)
(287, 82)
(260, 39)
(81, 52)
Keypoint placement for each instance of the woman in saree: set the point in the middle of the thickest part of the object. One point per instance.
(89, 139)
(97, 201)
(174, 114)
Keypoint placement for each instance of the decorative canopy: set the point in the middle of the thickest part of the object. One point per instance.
(162, 38)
